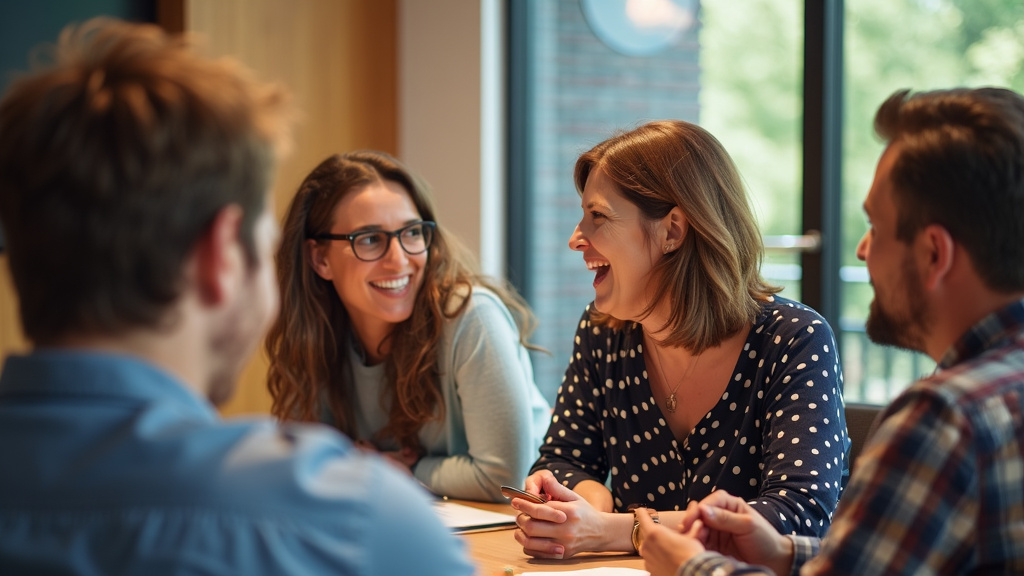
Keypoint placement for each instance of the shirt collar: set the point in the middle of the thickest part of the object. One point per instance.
(991, 330)
(61, 372)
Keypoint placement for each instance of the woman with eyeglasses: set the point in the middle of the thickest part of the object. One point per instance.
(388, 332)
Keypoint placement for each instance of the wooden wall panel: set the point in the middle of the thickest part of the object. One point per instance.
(11, 338)
(339, 59)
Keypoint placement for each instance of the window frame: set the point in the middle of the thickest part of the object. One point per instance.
(821, 155)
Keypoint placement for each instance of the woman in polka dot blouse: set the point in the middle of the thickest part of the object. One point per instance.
(688, 374)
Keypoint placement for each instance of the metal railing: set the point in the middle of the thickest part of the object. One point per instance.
(871, 373)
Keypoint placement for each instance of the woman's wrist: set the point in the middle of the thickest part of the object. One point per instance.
(615, 533)
(636, 538)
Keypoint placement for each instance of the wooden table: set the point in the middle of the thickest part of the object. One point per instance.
(493, 551)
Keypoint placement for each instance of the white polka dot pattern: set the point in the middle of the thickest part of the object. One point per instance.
(777, 437)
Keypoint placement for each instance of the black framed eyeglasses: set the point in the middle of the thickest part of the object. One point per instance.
(374, 244)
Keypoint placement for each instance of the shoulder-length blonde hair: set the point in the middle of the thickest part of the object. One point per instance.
(308, 344)
(712, 282)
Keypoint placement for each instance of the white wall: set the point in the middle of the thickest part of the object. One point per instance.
(451, 115)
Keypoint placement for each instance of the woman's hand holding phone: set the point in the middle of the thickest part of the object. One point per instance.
(510, 493)
(564, 525)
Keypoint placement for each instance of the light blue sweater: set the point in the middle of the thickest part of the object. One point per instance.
(495, 417)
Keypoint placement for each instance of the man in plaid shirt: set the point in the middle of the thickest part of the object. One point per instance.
(939, 488)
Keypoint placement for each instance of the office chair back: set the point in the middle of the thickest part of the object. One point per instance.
(861, 421)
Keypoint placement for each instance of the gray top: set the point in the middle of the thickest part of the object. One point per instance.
(495, 416)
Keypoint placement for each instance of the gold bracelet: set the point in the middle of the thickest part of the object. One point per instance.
(637, 538)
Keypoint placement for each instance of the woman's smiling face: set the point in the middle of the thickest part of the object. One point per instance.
(380, 294)
(613, 237)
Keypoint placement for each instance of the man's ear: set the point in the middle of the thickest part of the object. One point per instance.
(318, 259)
(938, 252)
(674, 228)
(219, 257)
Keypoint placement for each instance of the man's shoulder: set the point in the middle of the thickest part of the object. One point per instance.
(251, 470)
(352, 496)
(982, 400)
(996, 372)
(247, 494)
(272, 469)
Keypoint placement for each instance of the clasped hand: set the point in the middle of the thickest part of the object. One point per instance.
(721, 522)
(563, 526)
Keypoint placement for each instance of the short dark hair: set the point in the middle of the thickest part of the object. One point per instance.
(114, 159)
(960, 164)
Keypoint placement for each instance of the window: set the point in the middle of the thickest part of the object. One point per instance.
(790, 88)
(574, 83)
(920, 45)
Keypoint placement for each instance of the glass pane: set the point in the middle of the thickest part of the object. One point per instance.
(751, 98)
(921, 45)
(736, 72)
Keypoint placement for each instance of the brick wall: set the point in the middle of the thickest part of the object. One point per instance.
(583, 92)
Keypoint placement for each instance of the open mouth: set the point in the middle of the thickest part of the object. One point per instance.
(600, 269)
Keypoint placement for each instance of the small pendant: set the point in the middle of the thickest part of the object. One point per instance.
(670, 403)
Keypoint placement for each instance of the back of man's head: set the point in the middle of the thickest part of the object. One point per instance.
(114, 159)
(960, 164)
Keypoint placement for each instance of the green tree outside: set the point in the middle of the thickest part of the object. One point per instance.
(751, 74)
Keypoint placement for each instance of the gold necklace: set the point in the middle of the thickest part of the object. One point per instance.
(671, 402)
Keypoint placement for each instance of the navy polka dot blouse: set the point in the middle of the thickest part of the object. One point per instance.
(777, 436)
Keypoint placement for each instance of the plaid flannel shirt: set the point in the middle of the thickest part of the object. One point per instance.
(939, 488)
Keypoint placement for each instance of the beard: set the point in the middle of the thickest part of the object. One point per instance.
(231, 349)
(904, 323)
(241, 328)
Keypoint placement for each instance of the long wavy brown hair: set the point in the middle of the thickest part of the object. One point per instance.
(308, 345)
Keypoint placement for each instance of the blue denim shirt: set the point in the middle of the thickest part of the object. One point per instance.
(111, 466)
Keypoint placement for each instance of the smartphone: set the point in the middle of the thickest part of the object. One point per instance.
(510, 493)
